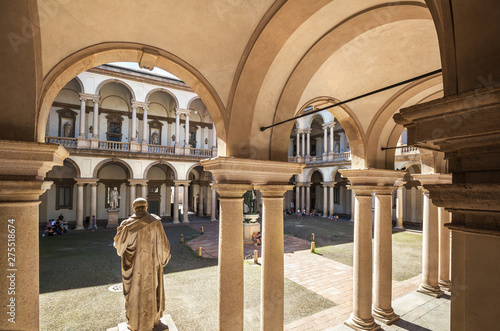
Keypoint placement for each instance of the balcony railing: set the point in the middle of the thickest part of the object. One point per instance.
(113, 145)
(63, 141)
(201, 152)
(338, 157)
(405, 150)
(125, 147)
(157, 149)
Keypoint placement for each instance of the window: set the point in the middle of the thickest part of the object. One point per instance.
(114, 127)
(64, 199)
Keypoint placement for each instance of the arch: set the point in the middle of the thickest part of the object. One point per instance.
(114, 80)
(335, 171)
(80, 83)
(312, 171)
(351, 126)
(161, 89)
(311, 120)
(193, 99)
(191, 168)
(75, 165)
(103, 53)
(145, 174)
(103, 163)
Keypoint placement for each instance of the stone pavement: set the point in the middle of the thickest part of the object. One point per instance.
(333, 280)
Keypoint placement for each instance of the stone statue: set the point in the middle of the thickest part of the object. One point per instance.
(250, 200)
(155, 138)
(67, 129)
(144, 248)
(113, 198)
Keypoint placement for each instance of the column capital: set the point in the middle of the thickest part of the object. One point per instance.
(371, 177)
(181, 111)
(139, 104)
(137, 181)
(431, 179)
(229, 170)
(182, 182)
(91, 97)
(232, 190)
(83, 181)
(273, 191)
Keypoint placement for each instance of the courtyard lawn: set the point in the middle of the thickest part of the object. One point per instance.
(334, 240)
(77, 269)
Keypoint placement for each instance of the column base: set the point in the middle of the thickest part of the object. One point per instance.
(79, 227)
(357, 323)
(399, 227)
(445, 285)
(135, 146)
(83, 143)
(144, 147)
(187, 151)
(433, 291)
(386, 316)
(94, 143)
(186, 221)
(176, 222)
(213, 219)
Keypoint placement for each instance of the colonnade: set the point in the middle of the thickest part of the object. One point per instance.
(303, 142)
(136, 145)
(139, 188)
(372, 274)
(303, 198)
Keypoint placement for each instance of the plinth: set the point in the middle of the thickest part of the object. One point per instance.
(112, 219)
(166, 323)
(250, 226)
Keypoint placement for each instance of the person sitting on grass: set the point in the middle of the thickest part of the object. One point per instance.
(256, 237)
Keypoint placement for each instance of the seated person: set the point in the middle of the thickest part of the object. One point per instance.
(59, 229)
(256, 237)
(49, 231)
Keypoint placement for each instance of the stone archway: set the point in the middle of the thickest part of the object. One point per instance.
(127, 52)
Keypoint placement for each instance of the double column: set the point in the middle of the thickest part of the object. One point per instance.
(92, 183)
(328, 152)
(228, 172)
(178, 113)
(185, 199)
(23, 166)
(364, 183)
(431, 237)
(200, 199)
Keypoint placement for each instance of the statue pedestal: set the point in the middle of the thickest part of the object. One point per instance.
(166, 323)
(112, 219)
(250, 226)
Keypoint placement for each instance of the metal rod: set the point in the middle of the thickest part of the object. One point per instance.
(402, 146)
(264, 128)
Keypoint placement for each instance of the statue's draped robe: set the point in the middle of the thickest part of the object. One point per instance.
(144, 248)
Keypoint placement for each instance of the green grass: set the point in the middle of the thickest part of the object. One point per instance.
(77, 269)
(334, 240)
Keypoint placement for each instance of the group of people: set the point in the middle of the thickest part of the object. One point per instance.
(55, 227)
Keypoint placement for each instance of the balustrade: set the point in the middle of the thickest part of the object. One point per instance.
(63, 141)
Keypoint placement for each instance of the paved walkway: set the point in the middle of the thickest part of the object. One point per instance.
(333, 280)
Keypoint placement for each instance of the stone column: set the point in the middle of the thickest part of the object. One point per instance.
(308, 198)
(144, 191)
(430, 244)
(177, 129)
(361, 317)
(353, 209)
(134, 124)
(444, 249)
(185, 203)
(298, 143)
(200, 202)
(145, 126)
(303, 197)
(308, 143)
(214, 205)
(297, 197)
(342, 142)
(273, 275)
(186, 140)
(325, 200)
(93, 200)
(332, 137)
(82, 118)
(382, 275)
(332, 203)
(132, 198)
(303, 153)
(399, 207)
(413, 204)
(325, 140)
(95, 134)
(79, 206)
(23, 166)
(176, 203)
(231, 278)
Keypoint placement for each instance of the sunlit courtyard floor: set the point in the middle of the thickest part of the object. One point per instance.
(77, 270)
